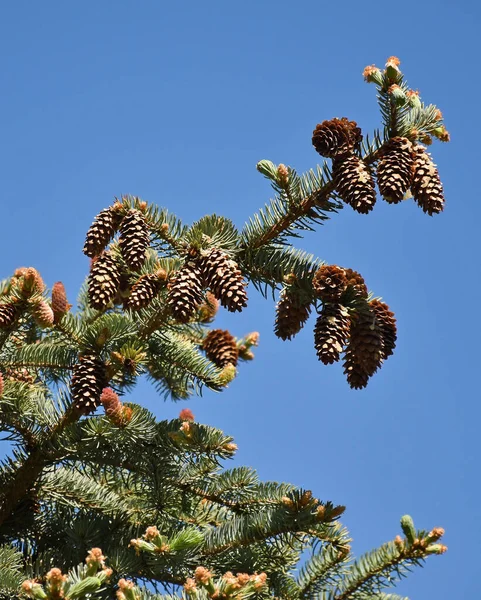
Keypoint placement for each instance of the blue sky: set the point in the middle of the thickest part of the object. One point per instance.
(176, 103)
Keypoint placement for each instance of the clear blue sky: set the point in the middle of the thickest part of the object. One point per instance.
(176, 102)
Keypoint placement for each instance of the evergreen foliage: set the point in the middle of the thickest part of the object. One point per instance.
(153, 495)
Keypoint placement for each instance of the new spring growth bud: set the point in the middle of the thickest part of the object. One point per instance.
(33, 589)
(267, 168)
(435, 534)
(186, 415)
(372, 74)
(397, 95)
(305, 499)
(252, 339)
(283, 176)
(189, 586)
(243, 579)
(321, 512)
(436, 549)
(142, 205)
(95, 560)
(127, 590)
(442, 134)
(227, 374)
(407, 525)
(230, 447)
(290, 278)
(393, 72)
(186, 429)
(203, 576)
(55, 579)
(259, 581)
(164, 228)
(399, 543)
(425, 138)
(32, 282)
(413, 98)
(152, 534)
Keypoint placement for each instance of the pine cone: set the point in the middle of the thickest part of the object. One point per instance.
(223, 277)
(185, 293)
(354, 183)
(356, 375)
(386, 322)
(2, 385)
(331, 332)
(144, 291)
(208, 309)
(426, 185)
(355, 281)
(336, 137)
(22, 375)
(60, 305)
(134, 239)
(88, 381)
(329, 282)
(103, 282)
(394, 169)
(290, 316)
(101, 232)
(366, 344)
(43, 314)
(8, 314)
(220, 348)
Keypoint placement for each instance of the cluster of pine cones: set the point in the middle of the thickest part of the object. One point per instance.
(107, 281)
(211, 269)
(402, 166)
(365, 331)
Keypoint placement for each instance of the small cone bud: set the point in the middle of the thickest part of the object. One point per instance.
(393, 72)
(186, 415)
(110, 401)
(282, 175)
(372, 74)
(60, 305)
(407, 525)
(43, 314)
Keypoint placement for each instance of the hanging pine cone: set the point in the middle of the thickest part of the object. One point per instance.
(43, 314)
(134, 239)
(144, 291)
(329, 282)
(88, 381)
(185, 293)
(336, 137)
(208, 309)
(354, 183)
(101, 232)
(331, 332)
(366, 343)
(394, 169)
(223, 277)
(8, 314)
(426, 185)
(220, 348)
(103, 282)
(386, 322)
(290, 316)
(356, 374)
(356, 283)
(60, 305)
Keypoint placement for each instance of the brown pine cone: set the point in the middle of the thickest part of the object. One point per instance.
(220, 348)
(355, 281)
(426, 185)
(290, 316)
(144, 291)
(43, 314)
(103, 281)
(329, 282)
(88, 381)
(394, 169)
(134, 239)
(101, 232)
(356, 374)
(60, 305)
(366, 343)
(223, 277)
(354, 183)
(8, 314)
(331, 332)
(185, 292)
(336, 137)
(386, 322)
